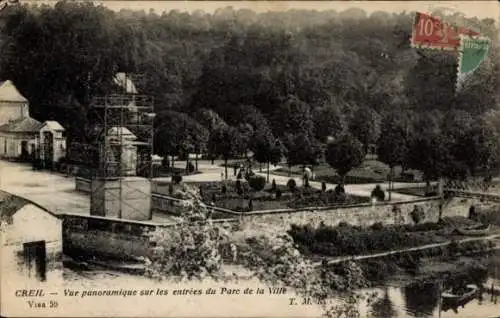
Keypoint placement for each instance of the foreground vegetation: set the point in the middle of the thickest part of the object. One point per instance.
(346, 239)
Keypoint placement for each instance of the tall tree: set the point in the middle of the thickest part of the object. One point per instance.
(212, 122)
(365, 126)
(225, 141)
(344, 154)
(328, 122)
(179, 135)
(266, 147)
(293, 117)
(392, 146)
(301, 150)
(480, 152)
(429, 152)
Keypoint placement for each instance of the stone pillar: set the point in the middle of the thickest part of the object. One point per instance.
(126, 198)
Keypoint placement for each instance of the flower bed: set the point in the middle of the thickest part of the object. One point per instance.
(267, 199)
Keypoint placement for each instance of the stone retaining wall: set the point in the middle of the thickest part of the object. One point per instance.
(360, 214)
(93, 236)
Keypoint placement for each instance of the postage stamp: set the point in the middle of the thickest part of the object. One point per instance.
(431, 33)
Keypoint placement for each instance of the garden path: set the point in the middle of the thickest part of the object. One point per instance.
(213, 173)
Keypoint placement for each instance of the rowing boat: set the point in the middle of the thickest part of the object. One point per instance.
(477, 230)
(451, 296)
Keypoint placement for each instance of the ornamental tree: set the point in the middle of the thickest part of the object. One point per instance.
(480, 150)
(328, 122)
(225, 140)
(365, 126)
(265, 147)
(392, 146)
(344, 154)
(430, 153)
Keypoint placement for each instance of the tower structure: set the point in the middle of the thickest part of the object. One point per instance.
(123, 123)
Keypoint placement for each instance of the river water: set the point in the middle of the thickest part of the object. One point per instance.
(411, 300)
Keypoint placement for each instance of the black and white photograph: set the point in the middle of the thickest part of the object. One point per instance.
(250, 158)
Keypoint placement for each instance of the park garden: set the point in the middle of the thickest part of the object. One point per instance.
(254, 194)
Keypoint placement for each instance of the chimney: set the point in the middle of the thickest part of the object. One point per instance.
(26, 111)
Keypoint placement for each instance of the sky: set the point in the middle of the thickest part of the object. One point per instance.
(481, 9)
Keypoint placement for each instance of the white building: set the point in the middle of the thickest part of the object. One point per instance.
(31, 239)
(22, 137)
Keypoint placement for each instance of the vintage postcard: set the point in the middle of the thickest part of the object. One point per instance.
(249, 159)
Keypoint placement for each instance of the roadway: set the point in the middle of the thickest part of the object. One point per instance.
(57, 193)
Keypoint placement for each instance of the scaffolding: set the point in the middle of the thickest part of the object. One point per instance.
(123, 127)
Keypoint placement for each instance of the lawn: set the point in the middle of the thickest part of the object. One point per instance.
(370, 171)
(416, 191)
(267, 199)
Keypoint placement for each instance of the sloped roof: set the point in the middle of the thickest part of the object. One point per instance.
(53, 125)
(125, 82)
(116, 132)
(26, 124)
(10, 204)
(9, 93)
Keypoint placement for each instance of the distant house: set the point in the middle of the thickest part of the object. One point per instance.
(23, 137)
(31, 238)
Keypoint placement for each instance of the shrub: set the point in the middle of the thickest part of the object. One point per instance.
(323, 186)
(417, 214)
(273, 185)
(278, 193)
(238, 185)
(223, 190)
(292, 185)
(190, 167)
(257, 182)
(176, 178)
(339, 189)
(170, 189)
(377, 226)
(378, 193)
(239, 176)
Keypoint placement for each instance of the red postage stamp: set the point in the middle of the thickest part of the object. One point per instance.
(432, 33)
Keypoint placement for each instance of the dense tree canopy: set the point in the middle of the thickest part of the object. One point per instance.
(308, 75)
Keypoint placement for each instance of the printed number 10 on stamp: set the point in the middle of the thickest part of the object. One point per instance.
(432, 33)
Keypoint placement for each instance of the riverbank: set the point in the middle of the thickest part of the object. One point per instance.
(468, 263)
